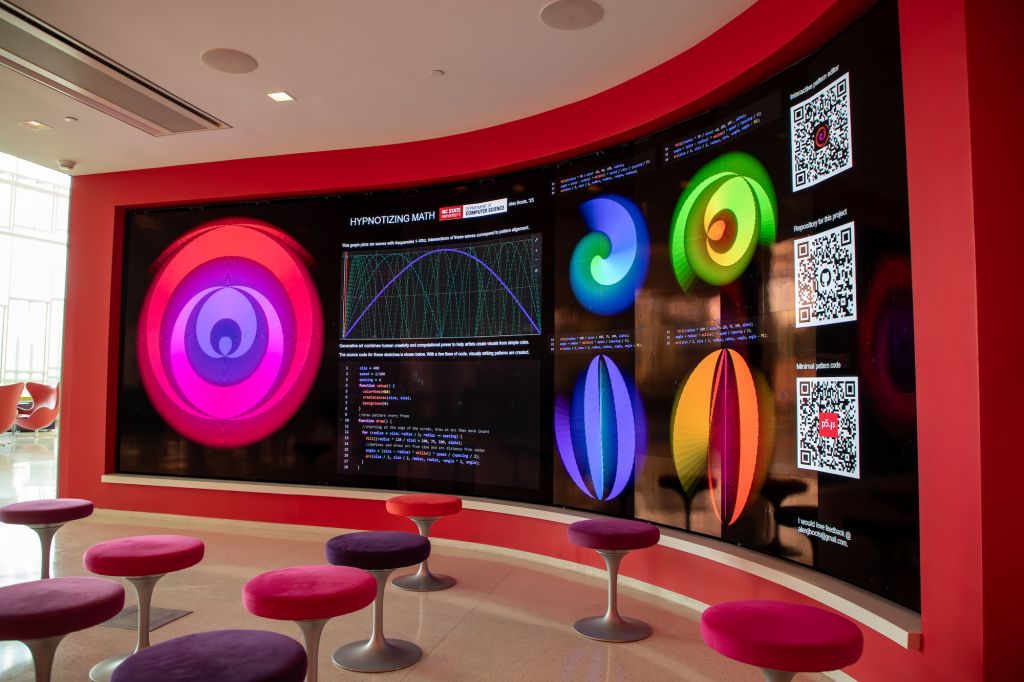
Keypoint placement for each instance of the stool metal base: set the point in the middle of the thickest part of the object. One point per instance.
(45, 531)
(43, 650)
(611, 627)
(104, 670)
(311, 632)
(423, 580)
(377, 657)
(607, 629)
(777, 675)
(377, 654)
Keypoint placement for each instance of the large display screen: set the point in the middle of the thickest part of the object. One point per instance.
(709, 328)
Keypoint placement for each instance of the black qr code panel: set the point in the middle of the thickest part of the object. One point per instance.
(828, 425)
(820, 134)
(825, 273)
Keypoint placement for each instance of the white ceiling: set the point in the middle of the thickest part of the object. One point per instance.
(358, 68)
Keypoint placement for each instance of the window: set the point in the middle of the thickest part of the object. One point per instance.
(33, 261)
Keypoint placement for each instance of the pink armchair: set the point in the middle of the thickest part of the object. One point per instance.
(9, 397)
(45, 406)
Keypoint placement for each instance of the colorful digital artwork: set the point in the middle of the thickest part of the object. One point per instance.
(726, 210)
(231, 332)
(610, 263)
(600, 434)
(723, 427)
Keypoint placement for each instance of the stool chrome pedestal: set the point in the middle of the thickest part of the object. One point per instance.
(45, 531)
(423, 580)
(104, 670)
(378, 654)
(611, 627)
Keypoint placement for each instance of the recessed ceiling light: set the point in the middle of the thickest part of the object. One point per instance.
(280, 96)
(229, 61)
(71, 119)
(35, 125)
(436, 73)
(571, 15)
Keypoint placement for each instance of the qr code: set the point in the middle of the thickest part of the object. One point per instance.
(820, 134)
(825, 273)
(828, 425)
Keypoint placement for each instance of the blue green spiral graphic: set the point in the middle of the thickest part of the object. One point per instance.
(610, 263)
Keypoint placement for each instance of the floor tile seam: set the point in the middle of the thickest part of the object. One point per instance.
(472, 609)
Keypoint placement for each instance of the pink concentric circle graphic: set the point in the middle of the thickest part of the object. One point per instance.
(231, 332)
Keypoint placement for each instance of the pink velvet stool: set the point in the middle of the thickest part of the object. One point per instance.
(42, 612)
(613, 539)
(141, 560)
(424, 509)
(45, 517)
(310, 596)
(781, 638)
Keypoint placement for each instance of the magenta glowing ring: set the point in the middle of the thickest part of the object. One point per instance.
(230, 333)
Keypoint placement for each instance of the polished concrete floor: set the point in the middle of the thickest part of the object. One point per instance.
(509, 618)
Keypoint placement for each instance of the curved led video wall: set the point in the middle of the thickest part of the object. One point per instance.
(710, 329)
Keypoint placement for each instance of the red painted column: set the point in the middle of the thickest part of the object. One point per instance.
(945, 328)
(994, 61)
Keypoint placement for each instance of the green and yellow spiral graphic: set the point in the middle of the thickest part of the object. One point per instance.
(727, 209)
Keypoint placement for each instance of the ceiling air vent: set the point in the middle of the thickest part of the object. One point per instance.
(48, 56)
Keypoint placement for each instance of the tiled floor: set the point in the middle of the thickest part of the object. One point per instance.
(509, 618)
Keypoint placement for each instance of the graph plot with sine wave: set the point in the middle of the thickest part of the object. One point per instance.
(449, 291)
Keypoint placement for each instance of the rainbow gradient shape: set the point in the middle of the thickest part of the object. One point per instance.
(231, 332)
(609, 264)
(726, 210)
(723, 426)
(601, 435)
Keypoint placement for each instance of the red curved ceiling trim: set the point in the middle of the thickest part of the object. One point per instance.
(767, 37)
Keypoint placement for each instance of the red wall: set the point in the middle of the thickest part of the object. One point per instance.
(993, 74)
(959, 186)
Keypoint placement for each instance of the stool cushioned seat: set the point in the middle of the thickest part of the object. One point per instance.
(57, 606)
(423, 505)
(613, 534)
(221, 655)
(781, 636)
(377, 550)
(309, 592)
(143, 555)
(38, 512)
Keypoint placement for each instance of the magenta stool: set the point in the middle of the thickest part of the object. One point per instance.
(41, 613)
(141, 560)
(424, 509)
(45, 517)
(613, 539)
(780, 638)
(218, 656)
(310, 596)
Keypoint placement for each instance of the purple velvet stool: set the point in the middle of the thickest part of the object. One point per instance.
(379, 553)
(311, 596)
(221, 656)
(613, 539)
(141, 560)
(40, 613)
(45, 517)
(781, 638)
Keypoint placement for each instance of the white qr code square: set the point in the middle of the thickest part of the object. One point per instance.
(825, 277)
(820, 134)
(828, 425)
